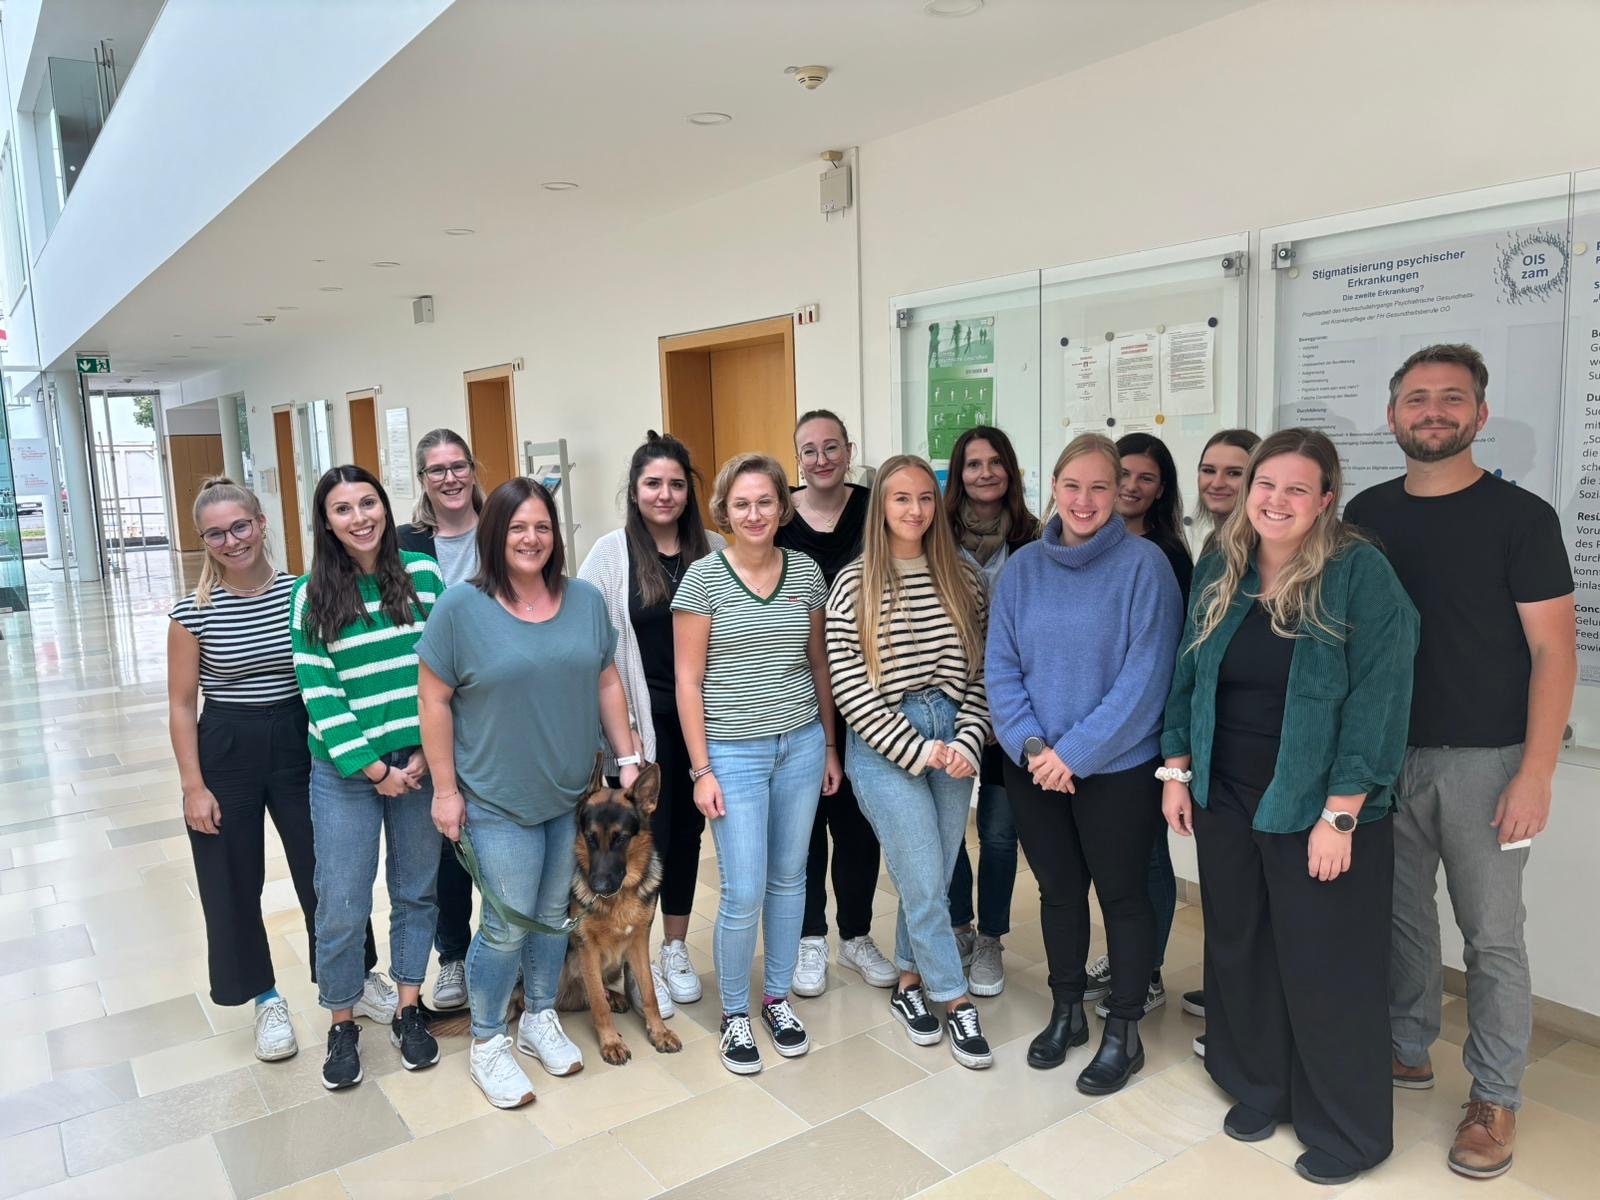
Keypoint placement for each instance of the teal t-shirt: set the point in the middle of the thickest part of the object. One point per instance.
(527, 696)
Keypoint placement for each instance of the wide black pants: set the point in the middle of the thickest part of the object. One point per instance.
(855, 861)
(254, 760)
(1297, 977)
(1102, 833)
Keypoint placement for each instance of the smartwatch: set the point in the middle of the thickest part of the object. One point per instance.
(1342, 821)
(1032, 746)
(628, 760)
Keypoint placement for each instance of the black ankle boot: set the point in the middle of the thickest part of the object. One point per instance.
(1119, 1056)
(1068, 1027)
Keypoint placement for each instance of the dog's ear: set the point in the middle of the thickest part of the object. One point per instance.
(597, 779)
(646, 789)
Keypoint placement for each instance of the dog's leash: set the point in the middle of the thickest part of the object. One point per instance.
(508, 915)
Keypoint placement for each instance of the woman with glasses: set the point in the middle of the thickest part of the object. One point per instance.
(754, 702)
(444, 526)
(830, 514)
(245, 757)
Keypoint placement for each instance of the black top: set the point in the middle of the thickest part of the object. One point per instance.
(1182, 566)
(1467, 560)
(836, 549)
(653, 628)
(1252, 681)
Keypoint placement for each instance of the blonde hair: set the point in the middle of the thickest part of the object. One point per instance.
(882, 590)
(219, 489)
(749, 464)
(1078, 447)
(422, 515)
(1296, 603)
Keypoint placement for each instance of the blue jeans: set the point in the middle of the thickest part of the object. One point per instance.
(346, 818)
(530, 868)
(920, 821)
(769, 787)
(997, 858)
(1163, 891)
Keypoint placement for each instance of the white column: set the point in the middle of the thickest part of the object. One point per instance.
(75, 462)
(232, 455)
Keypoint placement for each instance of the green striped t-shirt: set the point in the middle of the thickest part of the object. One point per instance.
(361, 689)
(758, 679)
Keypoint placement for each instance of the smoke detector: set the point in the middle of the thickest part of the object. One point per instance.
(810, 78)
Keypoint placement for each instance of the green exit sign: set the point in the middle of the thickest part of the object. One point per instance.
(94, 364)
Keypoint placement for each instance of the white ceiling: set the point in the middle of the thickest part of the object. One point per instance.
(499, 96)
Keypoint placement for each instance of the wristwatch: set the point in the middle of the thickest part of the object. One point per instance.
(1342, 821)
(1031, 747)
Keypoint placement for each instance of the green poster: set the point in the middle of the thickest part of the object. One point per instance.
(960, 379)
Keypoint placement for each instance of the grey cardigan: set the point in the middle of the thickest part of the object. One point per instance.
(608, 569)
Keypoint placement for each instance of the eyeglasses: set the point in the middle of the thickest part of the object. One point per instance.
(766, 506)
(240, 531)
(828, 450)
(461, 468)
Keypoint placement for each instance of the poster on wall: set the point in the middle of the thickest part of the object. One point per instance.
(1579, 503)
(1134, 389)
(31, 459)
(1088, 384)
(1188, 370)
(960, 379)
(397, 439)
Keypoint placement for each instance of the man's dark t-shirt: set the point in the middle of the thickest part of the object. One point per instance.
(1467, 560)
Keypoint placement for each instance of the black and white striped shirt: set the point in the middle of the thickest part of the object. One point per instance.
(245, 654)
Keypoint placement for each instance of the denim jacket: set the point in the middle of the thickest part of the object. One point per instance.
(1349, 699)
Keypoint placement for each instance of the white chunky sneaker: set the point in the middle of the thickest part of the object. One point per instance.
(987, 974)
(540, 1034)
(274, 1034)
(682, 981)
(379, 999)
(663, 997)
(494, 1069)
(811, 972)
(862, 954)
(450, 988)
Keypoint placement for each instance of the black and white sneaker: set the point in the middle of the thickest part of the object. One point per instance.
(1194, 1003)
(1155, 996)
(967, 1043)
(1098, 986)
(922, 1027)
(341, 1066)
(408, 1033)
(738, 1045)
(788, 1035)
(1200, 1046)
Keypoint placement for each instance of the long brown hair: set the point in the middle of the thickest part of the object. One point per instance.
(219, 489)
(882, 591)
(1024, 525)
(333, 591)
(655, 585)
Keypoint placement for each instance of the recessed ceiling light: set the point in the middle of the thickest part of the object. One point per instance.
(319, 260)
(952, 8)
(386, 263)
(460, 231)
(559, 185)
(250, 322)
(330, 288)
(177, 335)
(199, 347)
(709, 118)
(180, 356)
(287, 307)
(221, 337)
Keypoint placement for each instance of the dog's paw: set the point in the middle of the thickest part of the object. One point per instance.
(617, 1001)
(665, 1042)
(615, 1052)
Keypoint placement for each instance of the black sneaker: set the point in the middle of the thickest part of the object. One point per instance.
(341, 1067)
(788, 1035)
(1098, 979)
(922, 1027)
(409, 1033)
(1194, 1003)
(1200, 1046)
(967, 1043)
(738, 1045)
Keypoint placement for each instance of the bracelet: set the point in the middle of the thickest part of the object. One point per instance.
(629, 760)
(699, 773)
(446, 795)
(385, 775)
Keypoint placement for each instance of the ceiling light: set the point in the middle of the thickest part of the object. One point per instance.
(250, 322)
(952, 8)
(177, 335)
(709, 118)
(559, 185)
(180, 356)
(287, 307)
(199, 347)
(330, 288)
(460, 231)
(221, 337)
(386, 263)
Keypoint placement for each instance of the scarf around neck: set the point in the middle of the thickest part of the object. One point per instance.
(982, 538)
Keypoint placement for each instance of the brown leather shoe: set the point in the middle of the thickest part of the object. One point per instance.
(1484, 1140)
(1418, 1079)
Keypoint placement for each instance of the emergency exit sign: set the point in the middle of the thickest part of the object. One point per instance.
(94, 364)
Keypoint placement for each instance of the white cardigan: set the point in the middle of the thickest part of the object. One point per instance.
(607, 567)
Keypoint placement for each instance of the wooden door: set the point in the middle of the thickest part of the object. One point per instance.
(192, 458)
(492, 427)
(288, 491)
(752, 407)
(364, 435)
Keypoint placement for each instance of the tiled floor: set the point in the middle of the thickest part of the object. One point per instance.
(118, 1077)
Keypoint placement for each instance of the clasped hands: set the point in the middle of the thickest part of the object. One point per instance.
(944, 757)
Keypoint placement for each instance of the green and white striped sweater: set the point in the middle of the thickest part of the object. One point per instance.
(361, 689)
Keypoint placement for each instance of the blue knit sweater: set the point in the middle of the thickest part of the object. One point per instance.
(1081, 647)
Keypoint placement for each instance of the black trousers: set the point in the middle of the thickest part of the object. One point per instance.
(676, 825)
(855, 860)
(1102, 833)
(254, 760)
(1297, 977)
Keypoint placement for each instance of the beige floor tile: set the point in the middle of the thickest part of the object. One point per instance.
(441, 1162)
(188, 1168)
(1169, 1111)
(308, 1139)
(1573, 1090)
(24, 1063)
(1421, 1171)
(26, 902)
(987, 1181)
(1220, 1166)
(61, 1099)
(834, 1079)
(1556, 1152)
(30, 1160)
(41, 1014)
(600, 1097)
(436, 1099)
(597, 1166)
(1576, 1056)
(1079, 1159)
(298, 1080)
(839, 1013)
(319, 1187)
(139, 1126)
(42, 981)
(107, 1039)
(707, 1132)
(190, 1062)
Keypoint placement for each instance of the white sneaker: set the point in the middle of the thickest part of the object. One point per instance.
(494, 1069)
(811, 972)
(682, 981)
(379, 999)
(862, 954)
(450, 988)
(663, 997)
(540, 1034)
(274, 1034)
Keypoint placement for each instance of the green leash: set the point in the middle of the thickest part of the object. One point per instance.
(510, 916)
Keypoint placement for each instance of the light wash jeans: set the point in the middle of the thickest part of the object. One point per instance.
(346, 818)
(921, 821)
(769, 787)
(1447, 798)
(530, 868)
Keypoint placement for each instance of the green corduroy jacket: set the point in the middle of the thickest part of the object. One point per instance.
(1349, 701)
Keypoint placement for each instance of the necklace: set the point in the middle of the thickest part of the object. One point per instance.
(673, 565)
(245, 592)
(824, 522)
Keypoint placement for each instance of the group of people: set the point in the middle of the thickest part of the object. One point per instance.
(1331, 706)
